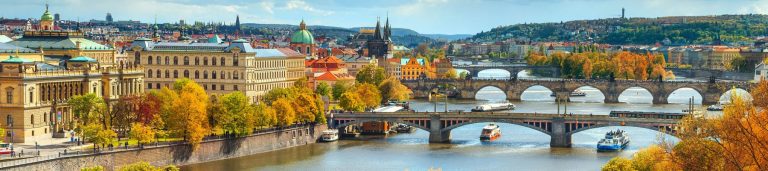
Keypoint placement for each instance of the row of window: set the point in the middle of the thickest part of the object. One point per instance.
(227, 75)
(205, 86)
(185, 61)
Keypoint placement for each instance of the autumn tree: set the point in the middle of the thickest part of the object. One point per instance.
(323, 89)
(352, 102)
(85, 107)
(265, 116)
(189, 112)
(369, 94)
(618, 164)
(371, 74)
(339, 88)
(451, 74)
(306, 108)
(142, 133)
(286, 115)
(393, 89)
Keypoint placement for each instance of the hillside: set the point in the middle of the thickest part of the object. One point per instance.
(677, 30)
(400, 36)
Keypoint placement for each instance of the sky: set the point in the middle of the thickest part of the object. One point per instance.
(423, 16)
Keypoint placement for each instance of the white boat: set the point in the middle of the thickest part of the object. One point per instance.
(330, 135)
(576, 93)
(493, 107)
(715, 107)
(490, 132)
(613, 141)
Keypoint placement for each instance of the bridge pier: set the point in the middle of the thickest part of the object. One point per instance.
(436, 135)
(611, 98)
(559, 138)
(660, 99)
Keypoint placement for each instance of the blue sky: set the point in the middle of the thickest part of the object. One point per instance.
(424, 16)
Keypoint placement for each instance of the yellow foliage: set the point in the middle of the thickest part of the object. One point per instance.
(286, 115)
(618, 164)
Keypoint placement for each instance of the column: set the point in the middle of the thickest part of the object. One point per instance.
(559, 138)
(435, 133)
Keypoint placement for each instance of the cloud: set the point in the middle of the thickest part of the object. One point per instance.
(267, 6)
(301, 5)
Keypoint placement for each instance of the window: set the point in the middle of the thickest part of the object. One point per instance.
(213, 87)
(221, 86)
(149, 60)
(234, 87)
(45, 117)
(157, 60)
(149, 73)
(31, 96)
(222, 75)
(223, 61)
(186, 73)
(197, 61)
(205, 74)
(157, 74)
(197, 74)
(149, 85)
(308, 51)
(157, 85)
(175, 74)
(235, 76)
(9, 95)
(32, 120)
(213, 75)
(167, 74)
(166, 61)
(213, 61)
(235, 61)
(205, 86)
(175, 60)
(205, 60)
(186, 60)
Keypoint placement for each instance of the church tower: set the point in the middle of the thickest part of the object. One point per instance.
(379, 45)
(46, 21)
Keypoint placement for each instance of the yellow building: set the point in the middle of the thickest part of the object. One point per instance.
(34, 94)
(414, 68)
(219, 67)
(7, 50)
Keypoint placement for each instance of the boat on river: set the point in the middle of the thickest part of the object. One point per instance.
(403, 128)
(715, 107)
(493, 107)
(576, 93)
(330, 135)
(490, 132)
(613, 141)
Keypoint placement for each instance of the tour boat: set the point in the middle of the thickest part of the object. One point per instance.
(715, 107)
(5, 148)
(613, 141)
(576, 93)
(403, 128)
(493, 107)
(330, 135)
(490, 132)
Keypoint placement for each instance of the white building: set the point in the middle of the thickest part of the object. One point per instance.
(761, 72)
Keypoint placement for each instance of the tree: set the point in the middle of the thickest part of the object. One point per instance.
(618, 164)
(393, 89)
(144, 166)
(149, 108)
(463, 74)
(371, 74)
(265, 115)
(323, 89)
(286, 115)
(451, 74)
(94, 168)
(320, 115)
(649, 158)
(369, 94)
(339, 88)
(237, 118)
(141, 133)
(277, 93)
(85, 106)
(190, 112)
(351, 101)
(306, 108)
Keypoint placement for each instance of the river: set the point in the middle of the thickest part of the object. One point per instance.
(519, 148)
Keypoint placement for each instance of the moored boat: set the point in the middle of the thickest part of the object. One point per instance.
(330, 135)
(715, 107)
(403, 128)
(576, 93)
(613, 141)
(490, 132)
(493, 107)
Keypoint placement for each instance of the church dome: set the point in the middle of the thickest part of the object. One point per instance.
(303, 36)
(46, 15)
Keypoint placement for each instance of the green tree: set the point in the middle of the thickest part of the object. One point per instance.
(277, 93)
(320, 115)
(94, 168)
(144, 166)
(339, 88)
(371, 74)
(237, 118)
(323, 89)
(84, 107)
(618, 164)
(451, 74)
(265, 115)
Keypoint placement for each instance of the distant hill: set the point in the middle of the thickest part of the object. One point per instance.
(675, 30)
(400, 36)
(448, 37)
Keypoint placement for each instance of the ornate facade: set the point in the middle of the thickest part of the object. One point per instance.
(219, 67)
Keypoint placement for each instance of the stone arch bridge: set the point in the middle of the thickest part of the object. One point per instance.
(514, 88)
(558, 127)
(512, 69)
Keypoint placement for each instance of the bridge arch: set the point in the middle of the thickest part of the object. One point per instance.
(697, 99)
(736, 91)
(361, 121)
(503, 90)
(474, 121)
(499, 75)
(527, 87)
(581, 88)
(649, 127)
(654, 98)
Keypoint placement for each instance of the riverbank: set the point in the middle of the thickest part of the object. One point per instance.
(182, 154)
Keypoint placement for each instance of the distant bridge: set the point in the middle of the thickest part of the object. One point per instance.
(711, 91)
(513, 69)
(558, 127)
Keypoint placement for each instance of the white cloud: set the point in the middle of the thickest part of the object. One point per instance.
(267, 6)
(301, 5)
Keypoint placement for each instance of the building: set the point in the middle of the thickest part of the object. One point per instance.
(412, 68)
(7, 50)
(761, 72)
(302, 41)
(720, 56)
(219, 67)
(442, 67)
(35, 93)
(380, 45)
(328, 69)
(357, 62)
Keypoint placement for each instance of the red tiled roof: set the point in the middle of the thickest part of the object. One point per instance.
(327, 76)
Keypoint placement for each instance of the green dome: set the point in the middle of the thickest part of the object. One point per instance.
(303, 37)
(46, 16)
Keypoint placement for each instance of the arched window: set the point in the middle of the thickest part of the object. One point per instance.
(197, 61)
(235, 61)
(149, 73)
(205, 74)
(175, 60)
(309, 51)
(213, 61)
(186, 60)
(235, 76)
(9, 95)
(205, 60)
(167, 74)
(157, 74)
(175, 74)
(149, 60)
(157, 60)
(213, 74)
(223, 61)
(186, 73)
(167, 60)
(197, 74)
(157, 85)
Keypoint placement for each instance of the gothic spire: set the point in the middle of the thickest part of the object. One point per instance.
(387, 29)
(377, 33)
